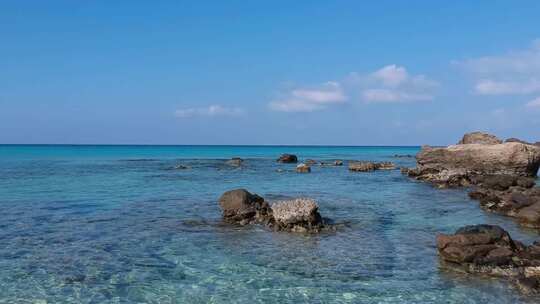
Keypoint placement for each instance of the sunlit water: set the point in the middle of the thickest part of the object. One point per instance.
(115, 224)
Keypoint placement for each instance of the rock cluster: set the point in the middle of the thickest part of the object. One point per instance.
(365, 166)
(288, 158)
(511, 196)
(490, 250)
(300, 215)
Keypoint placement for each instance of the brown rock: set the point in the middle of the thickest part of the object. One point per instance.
(288, 158)
(479, 138)
(303, 168)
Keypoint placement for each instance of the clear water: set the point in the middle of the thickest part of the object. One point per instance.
(114, 224)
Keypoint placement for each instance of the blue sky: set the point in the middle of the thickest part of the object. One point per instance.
(273, 72)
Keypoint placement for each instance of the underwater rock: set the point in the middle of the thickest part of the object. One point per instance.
(489, 250)
(288, 158)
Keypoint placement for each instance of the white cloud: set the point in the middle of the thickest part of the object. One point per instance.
(493, 87)
(310, 99)
(393, 83)
(387, 95)
(535, 103)
(513, 73)
(210, 111)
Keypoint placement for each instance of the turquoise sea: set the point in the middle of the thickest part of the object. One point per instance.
(118, 224)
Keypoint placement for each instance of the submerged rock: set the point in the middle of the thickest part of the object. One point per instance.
(298, 215)
(489, 250)
(479, 138)
(288, 158)
(235, 162)
(303, 168)
(365, 166)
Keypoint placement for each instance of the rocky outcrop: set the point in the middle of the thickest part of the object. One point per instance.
(513, 139)
(365, 166)
(489, 250)
(303, 168)
(235, 162)
(479, 138)
(288, 158)
(457, 165)
(299, 215)
(511, 196)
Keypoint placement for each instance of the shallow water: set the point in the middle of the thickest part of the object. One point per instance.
(116, 224)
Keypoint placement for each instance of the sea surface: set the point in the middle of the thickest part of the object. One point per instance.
(118, 224)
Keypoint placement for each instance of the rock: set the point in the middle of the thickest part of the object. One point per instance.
(490, 250)
(537, 143)
(303, 168)
(364, 166)
(288, 158)
(479, 138)
(513, 139)
(403, 156)
(298, 215)
(240, 206)
(310, 162)
(338, 163)
(498, 182)
(458, 165)
(361, 166)
(235, 162)
(181, 167)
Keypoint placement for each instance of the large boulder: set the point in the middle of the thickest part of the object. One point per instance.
(288, 158)
(242, 207)
(490, 250)
(298, 215)
(479, 138)
(457, 165)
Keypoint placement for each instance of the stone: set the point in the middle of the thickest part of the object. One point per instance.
(513, 139)
(310, 162)
(303, 168)
(235, 162)
(365, 166)
(241, 206)
(479, 138)
(181, 167)
(288, 158)
(298, 215)
(489, 250)
(338, 163)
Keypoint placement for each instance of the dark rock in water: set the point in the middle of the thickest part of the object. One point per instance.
(479, 138)
(288, 158)
(240, 206)
(338, 162)
(512, 139)
(235, 162)
(181, 167)
(489, 250)
(365, 166)
(297, 215)
(303, 168)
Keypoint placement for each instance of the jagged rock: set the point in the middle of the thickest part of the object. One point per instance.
(513, 139)
(303, 168)
(490, 250)
(298, 215)
(288, 158)
(235, 162)
(364, 166)
(241, 207)
(479, 138)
